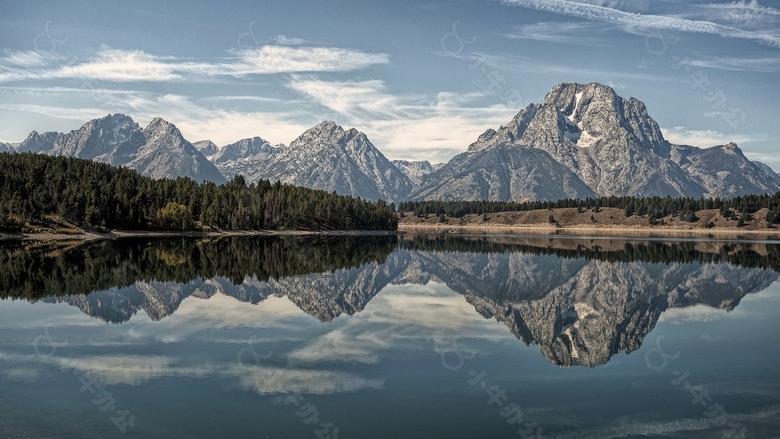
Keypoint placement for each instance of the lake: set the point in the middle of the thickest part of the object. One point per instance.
(412, 336)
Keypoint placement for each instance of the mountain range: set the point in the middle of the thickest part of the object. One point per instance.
(582, 141)
(159, 150)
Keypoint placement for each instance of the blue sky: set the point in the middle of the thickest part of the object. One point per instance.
(421, 79)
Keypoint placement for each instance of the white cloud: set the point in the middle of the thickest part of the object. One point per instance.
(404, 127)
(631, 19)
(704, 138)
(118, 65)
(744, 13)
(109, 65)
(285, 59)
(121, 65)
(350, 98)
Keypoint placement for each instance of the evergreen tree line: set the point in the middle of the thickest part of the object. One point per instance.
(61, 269)
(653, 207)
(98, 195)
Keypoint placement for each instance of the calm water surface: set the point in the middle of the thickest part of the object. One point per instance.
(386, 337)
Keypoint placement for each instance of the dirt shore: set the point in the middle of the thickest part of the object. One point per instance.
(568, 221)
(607, 222)
(595, 231)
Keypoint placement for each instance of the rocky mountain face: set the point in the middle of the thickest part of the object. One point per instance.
(331, 158)
(415, 170)
(166, 154)
(244, 157)
(324, 157)
(609, 143)
(768, 171)
(724, 170)
(502, 173)
(158, 151)
(206, 147)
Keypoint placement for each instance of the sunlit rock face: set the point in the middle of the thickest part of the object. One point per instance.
(157, 151)
(331, 158)
(608, 144)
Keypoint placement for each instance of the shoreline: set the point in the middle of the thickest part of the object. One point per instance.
(628, 232)
(573, 230)
(121, 234)
(404, 228)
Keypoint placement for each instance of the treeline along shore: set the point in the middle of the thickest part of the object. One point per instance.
(744, 213)
(47, 193)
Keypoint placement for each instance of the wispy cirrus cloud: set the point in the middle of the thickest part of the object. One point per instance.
(761, 64)
(557, 32)
(605, 14)
(118, 65)
(411, 127)
(73, 114)
(29, 58)
(742, 12)
(631, 5)
(289, 41)
(509, 62)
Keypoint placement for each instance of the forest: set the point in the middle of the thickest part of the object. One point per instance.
(654, 208)
(97, 196)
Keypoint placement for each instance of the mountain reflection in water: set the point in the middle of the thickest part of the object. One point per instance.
(580, 300)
